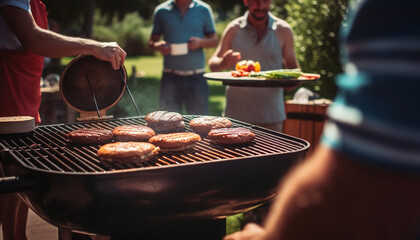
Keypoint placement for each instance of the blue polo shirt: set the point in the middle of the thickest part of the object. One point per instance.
(376, 117)
(197, 22)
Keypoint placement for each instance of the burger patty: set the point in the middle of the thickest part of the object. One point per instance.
(127, 152)
(180, 126)
(231, 136)
(163, 121)
(90, 136)
(127, 133)
(203, 125)
(175, 141)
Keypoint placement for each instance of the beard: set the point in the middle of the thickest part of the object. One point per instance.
(259, 15)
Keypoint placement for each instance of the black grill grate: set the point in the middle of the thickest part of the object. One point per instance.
(47, 148)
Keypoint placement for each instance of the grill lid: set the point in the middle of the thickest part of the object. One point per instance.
(106, 83)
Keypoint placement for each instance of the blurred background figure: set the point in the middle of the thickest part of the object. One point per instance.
(363, 181)
(259, 36)
(187, 26)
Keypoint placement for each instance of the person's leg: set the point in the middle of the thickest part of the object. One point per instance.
(171, 93)
(197, 95)
(4, 205)
(21, 219)
(14, 218)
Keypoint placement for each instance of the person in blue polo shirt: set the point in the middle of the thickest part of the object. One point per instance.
(363, 181)
(187, 26)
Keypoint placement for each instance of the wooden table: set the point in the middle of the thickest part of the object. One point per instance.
(306, 120)
(53, 109)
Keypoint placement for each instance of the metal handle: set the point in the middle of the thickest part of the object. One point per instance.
(129, 92)
(16, 184)
(93, 95)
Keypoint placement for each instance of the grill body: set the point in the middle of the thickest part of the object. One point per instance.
(70, 188)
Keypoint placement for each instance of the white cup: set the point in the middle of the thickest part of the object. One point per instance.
(179, 49)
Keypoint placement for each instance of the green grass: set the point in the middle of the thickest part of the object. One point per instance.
(145, 89)
(151, 65)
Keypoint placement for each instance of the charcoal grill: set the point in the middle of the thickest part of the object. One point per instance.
(69, 187)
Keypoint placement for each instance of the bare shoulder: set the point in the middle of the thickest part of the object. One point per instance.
(229, 32)
(281, 24)
(233, 26)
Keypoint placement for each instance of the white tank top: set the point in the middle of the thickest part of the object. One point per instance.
(255, 104)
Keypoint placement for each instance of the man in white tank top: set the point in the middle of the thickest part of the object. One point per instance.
(262, 37)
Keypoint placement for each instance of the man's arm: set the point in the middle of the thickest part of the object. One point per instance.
(332, 196)
(285, 33)
(50, 44)
(285, 36)
(224, 57)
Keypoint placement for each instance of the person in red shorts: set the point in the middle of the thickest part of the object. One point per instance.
(24, 42)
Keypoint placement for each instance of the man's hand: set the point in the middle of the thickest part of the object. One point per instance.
(227, 60)
(111, 52)
(194, 43)
(230, 58)
(161, 46)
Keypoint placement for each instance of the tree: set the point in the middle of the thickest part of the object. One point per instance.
(78, 14)
(316, 25)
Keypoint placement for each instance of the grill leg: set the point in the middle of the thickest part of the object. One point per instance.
(64, 234)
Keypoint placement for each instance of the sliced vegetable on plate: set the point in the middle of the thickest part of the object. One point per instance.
(279, 74)
(250, 68)
(240, 73)
(309, 76)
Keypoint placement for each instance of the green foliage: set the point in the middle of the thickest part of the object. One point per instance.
(316, 25)
(131, 33)
(122, 7)
(234, 223)
(69, 13)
